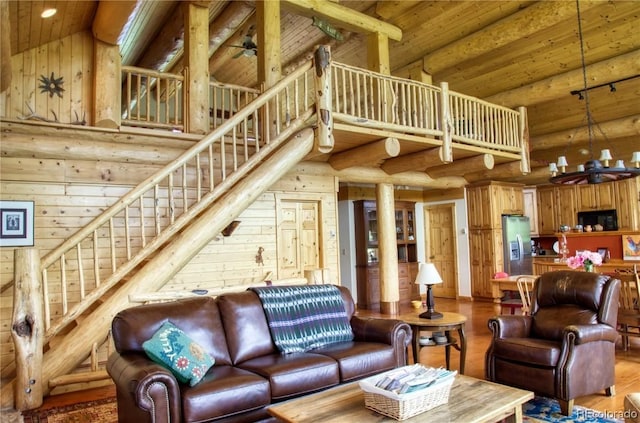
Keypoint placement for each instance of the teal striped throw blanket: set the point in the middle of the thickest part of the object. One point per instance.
(304, 317)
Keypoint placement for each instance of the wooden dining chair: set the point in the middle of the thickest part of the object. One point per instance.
(525, 288)
(629, 309)
(523, 301)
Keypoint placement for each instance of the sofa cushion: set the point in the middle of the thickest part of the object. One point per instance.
(245, 325)
(224, 391)
(305, 317)
(294, 374)
(357, 360)
(186, 359)
(198, 317)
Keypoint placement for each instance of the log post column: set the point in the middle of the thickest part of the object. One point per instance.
(27, 329)
(196, 53)
(387, 250)
(106, 85)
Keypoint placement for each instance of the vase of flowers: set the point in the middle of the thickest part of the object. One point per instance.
(586, 259)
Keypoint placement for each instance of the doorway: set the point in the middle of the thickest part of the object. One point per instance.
(441, 248)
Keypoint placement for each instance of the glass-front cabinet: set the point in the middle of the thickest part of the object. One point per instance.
(366, 222)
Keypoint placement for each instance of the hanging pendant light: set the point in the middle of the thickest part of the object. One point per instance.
(594, 171)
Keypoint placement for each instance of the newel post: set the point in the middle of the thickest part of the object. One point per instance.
(27, 328)
(324, 131)
(523, 135)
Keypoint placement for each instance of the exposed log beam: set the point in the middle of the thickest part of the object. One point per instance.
(528, 21)
(372, 175)
(389, 9)
(167, 45)
(559, 85)
(624, 127)
(343, 17)
(111, 17)
(368, 153)
(503, 171)
(414, 161)
(462, 166)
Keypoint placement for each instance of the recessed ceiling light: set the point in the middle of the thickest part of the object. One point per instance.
(47, 13)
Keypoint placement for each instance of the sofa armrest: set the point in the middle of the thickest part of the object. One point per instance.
(142, 384)
(583, 334)
(509, 326)
(386, 331)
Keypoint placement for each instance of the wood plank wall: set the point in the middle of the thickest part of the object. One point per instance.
(70, 58)
(64, 203)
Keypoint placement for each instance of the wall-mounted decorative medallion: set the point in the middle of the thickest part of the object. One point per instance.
(51, 85)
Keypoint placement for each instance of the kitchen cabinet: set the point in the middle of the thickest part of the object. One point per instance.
(367, 268)
(487, 202)
(559, 204)
(530, 207)
(596, 196)
(546, 205)
(628, 204)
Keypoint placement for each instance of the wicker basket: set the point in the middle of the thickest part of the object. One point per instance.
(404, 406)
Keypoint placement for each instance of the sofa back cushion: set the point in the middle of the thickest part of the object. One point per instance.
(198, 318)
(246, 326)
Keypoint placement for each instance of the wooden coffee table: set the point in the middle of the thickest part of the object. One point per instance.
(471, 400)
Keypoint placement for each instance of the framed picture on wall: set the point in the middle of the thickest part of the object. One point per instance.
(16, 223)
(631, 247)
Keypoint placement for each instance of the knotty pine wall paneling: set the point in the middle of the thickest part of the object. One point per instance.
(70, 58)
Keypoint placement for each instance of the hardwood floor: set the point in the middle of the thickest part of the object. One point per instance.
(478, 337)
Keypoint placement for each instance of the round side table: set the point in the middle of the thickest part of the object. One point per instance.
(449, 322)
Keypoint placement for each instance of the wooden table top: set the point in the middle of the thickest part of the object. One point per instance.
(471, 400)
(448, 319)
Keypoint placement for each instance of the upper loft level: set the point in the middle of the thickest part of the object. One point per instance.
(413, 132)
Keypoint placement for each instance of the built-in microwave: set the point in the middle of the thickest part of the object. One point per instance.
(607, 218)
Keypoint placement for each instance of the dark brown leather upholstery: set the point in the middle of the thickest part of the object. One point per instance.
(249, 372)
(566, 347)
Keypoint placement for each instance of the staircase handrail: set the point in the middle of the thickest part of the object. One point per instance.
(151, 182)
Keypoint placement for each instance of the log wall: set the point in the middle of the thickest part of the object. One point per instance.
(70, 192)
(70, 58)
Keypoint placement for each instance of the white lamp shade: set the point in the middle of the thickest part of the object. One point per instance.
(619, 163)
(605, 155)
(553, 167)
(581, 168)
(428, 275)
(562, 161)
(635, 157)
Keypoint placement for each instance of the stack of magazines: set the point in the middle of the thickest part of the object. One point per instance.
(412, 378)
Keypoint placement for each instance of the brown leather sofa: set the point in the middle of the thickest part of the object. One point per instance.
(249, 372)
(566, 348)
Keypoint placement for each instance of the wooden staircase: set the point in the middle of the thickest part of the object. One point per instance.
(143, 243)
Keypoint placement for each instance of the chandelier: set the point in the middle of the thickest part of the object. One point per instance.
(593, 171)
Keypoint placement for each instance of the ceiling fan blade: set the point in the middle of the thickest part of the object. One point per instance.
(240, 53)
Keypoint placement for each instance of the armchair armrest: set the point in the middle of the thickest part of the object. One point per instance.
(144, 385)
(583, 334)
(508, 326)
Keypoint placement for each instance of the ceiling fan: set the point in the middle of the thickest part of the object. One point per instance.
(249, 47)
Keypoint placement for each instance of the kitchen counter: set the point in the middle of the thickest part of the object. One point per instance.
(541, 266)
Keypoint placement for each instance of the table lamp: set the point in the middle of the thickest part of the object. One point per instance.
(428, 275)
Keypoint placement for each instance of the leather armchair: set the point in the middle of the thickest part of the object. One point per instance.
(566, 347)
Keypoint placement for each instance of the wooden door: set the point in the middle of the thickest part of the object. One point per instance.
(298, 238)
(441, 247)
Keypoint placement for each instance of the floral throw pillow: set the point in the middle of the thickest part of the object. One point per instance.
(173, 349)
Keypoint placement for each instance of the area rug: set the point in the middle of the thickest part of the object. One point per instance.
(99, 411)
(542, 409)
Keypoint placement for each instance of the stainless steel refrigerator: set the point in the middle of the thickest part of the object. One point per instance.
(516, 241)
